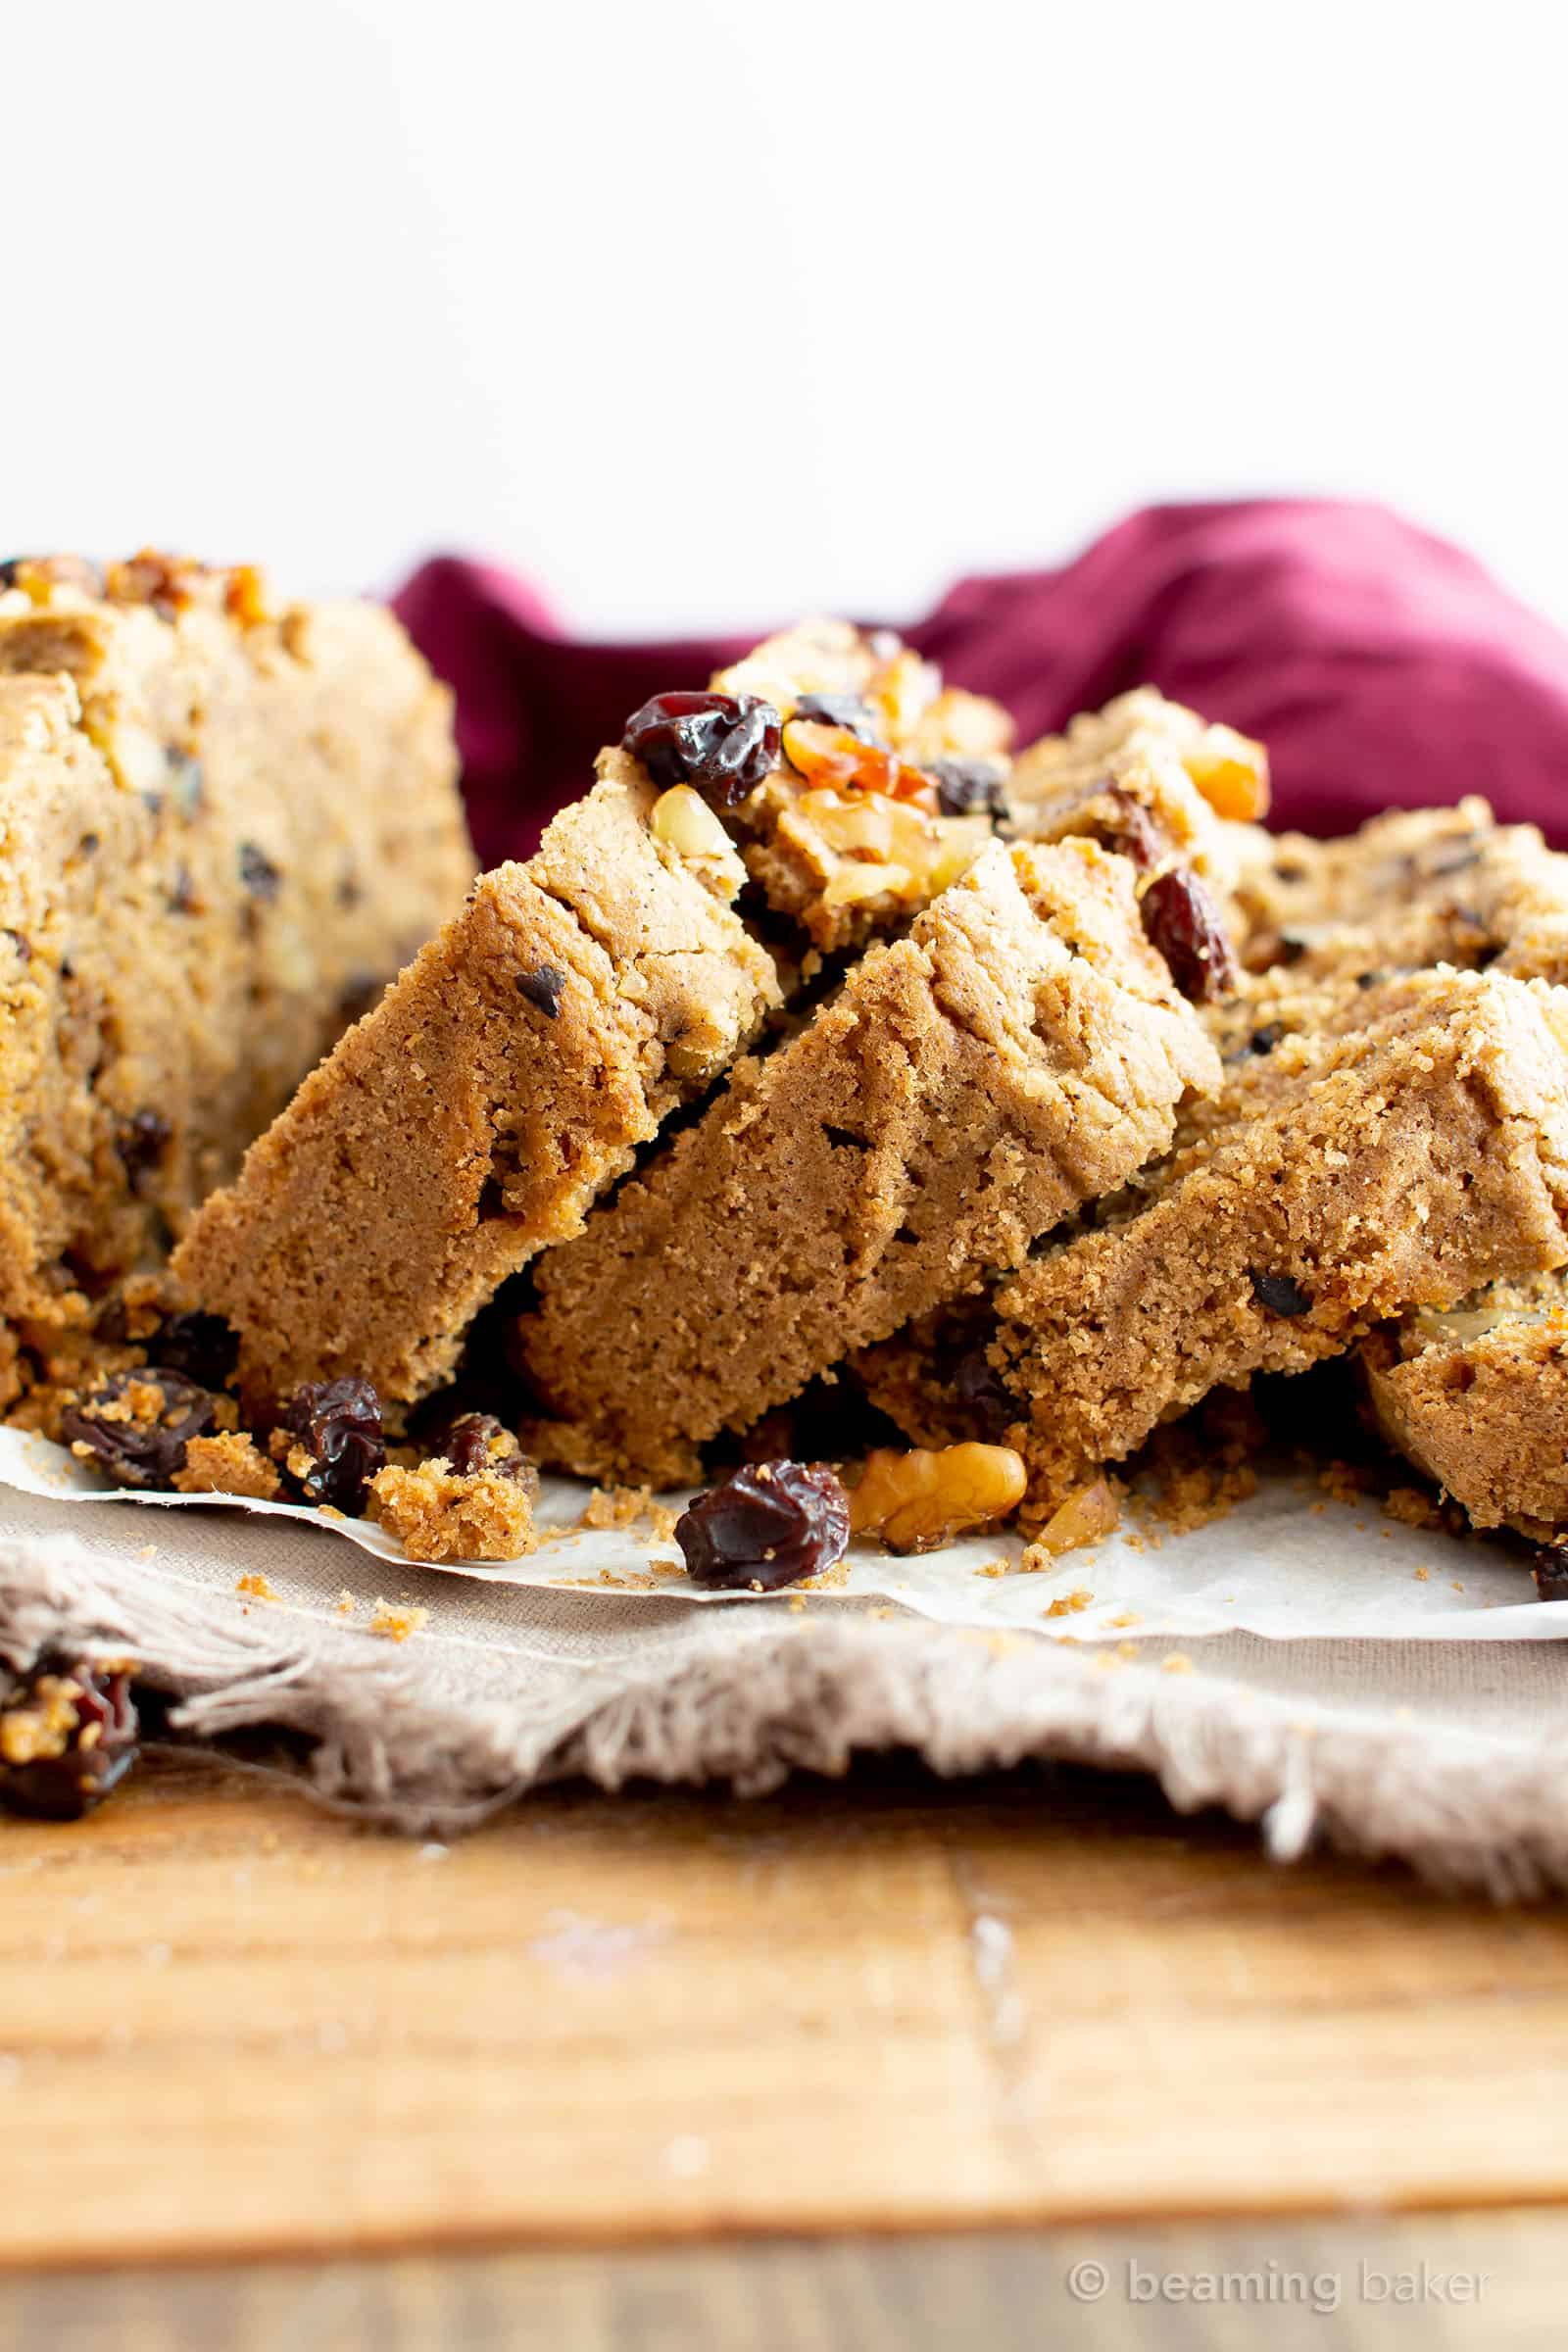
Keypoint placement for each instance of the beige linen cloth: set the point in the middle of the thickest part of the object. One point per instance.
(1449, 1754)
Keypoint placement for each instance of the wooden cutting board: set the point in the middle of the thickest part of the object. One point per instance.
(233, 2023)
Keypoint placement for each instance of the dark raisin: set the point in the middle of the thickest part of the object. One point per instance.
(1264, 1040)
(1291, 948)
(772, 1438)
(198, 1346)
(67, 1738)
(91, 844)
(543, 989)
(1183, 923)
(182, 891)
(141, 1143)
(983, 1395)
(724, 744)
(1280, 1294)
(21, 943)
(970, 788)
(1132, 830)
(1551, 1572)
(261, 877)
(185, 780)
(846, 710)
(1364, 980)
(338, 1424)
(350, 890)
(469, 1446)
(131, 1448)
(770, 1525)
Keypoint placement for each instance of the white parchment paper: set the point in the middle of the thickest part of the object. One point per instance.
(1287, 1563)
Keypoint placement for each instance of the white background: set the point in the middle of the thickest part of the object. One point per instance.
(706, 313)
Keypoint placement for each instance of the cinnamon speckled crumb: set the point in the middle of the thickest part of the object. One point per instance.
(437, 1513)
(628, 1506)
(230, 1463)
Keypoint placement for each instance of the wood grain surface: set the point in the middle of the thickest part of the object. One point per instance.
(1365, 2286)
(231, 2023)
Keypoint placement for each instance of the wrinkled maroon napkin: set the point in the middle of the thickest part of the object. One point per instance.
(1381, 665)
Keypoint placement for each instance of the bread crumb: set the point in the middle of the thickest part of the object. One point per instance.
(397, 1623)
(256, 1586)
(1178, 1662)
(1412, 1507)
(1127, 1617)
(438, 1514)
(346, 1603)
(1068, 1604)
(1421, 1575)
(230, 1463)
(628, 1506)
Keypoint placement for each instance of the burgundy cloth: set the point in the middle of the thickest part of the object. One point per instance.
(1380, 664)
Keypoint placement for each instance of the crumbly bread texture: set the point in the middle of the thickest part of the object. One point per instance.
(227, 823)
(473, 1117)
(1196, 788)
(1020, 1052)
(438, 1513)
(1478, 1399)
(1397, 1155)
(849, 865)
(1414, 888)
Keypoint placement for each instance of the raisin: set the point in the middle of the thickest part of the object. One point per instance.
(1292, 947)
(1264, 1040)
(199, 1347)
(1280, 1294)
(142, 1144)
(770, 1526)
(133, 1450)
(724, 744)
(1365, 980)
(261, 877)
(983, 1395)
(970, 788)
(1551, 1572)
(543, 989)
(846, 710)
(1183, 923)
(182, 896)
(1132, 830)
(469, 1445)
(68, 1736)
(338, 1424)
(21, 943)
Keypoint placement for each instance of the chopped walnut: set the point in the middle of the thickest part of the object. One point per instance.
(917, 1499)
